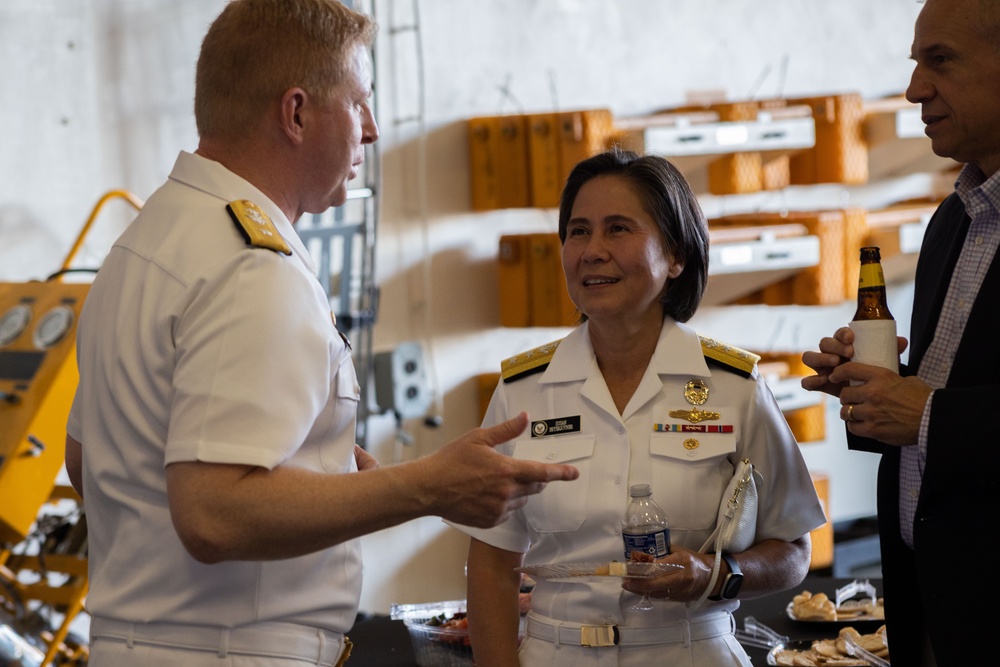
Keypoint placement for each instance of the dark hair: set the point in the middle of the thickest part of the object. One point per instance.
(666, 196)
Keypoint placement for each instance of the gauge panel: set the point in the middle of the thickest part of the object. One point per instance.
(53, 327)
(13, 322)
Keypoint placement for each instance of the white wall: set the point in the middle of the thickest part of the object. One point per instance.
(96, 94)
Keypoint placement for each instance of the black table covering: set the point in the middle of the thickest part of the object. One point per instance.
(382, 642)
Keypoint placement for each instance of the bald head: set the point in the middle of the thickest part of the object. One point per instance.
(956, 79)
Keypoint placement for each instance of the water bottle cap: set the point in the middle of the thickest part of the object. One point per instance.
(639, 490)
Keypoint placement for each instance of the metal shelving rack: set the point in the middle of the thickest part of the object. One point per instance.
(691, 141)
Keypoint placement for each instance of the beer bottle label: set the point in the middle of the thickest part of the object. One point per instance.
(871, 276)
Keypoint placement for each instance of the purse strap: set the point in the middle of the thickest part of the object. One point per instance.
(744, 470)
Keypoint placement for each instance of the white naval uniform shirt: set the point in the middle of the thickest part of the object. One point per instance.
(581, 521)
(193, 345)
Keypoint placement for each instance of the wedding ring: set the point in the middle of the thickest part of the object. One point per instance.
(850, 411)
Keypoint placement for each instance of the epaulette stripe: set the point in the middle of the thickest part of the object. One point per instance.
(728, 355)
(526, 363)
(524, 373)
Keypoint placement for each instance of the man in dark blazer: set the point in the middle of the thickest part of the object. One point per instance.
(935, 424)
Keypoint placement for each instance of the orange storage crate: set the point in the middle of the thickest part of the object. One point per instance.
(840, 154)
(545, 171)
(498, 162)
(513, 281)
(582, 134)
(550, 302)
(822, 537)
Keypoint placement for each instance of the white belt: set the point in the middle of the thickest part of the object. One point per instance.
(577, 634)
(273, 640)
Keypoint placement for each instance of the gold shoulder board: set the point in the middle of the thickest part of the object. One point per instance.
(256, 227)
(526, 363)
(734, 358)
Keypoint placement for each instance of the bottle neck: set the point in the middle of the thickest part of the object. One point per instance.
(871, 276)
(872, 304)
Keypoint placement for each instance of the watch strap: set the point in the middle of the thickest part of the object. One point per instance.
(734, 570)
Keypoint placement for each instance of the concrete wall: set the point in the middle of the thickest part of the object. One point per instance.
(95, 95)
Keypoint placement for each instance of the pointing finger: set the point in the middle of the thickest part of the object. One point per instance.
(535, 472)
(505, 431)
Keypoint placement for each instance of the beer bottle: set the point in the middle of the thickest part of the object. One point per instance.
(873, 325)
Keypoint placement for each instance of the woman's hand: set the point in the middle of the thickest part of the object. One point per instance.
(680, 585)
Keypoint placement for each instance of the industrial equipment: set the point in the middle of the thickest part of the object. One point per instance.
(42, 559)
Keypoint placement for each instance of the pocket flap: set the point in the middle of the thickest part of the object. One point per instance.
(555, 449)
(347, 381)
(692, 446)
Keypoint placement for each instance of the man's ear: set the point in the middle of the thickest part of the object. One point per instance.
(291, 116)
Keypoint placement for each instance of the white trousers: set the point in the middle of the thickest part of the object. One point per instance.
(722, 651)
(121, 644)
(112, 653)
(707, 642)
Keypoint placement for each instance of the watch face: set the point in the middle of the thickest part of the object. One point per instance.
(13, 322)
(52, 327)
(731, 588)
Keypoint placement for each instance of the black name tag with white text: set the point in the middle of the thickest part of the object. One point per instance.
(544, 427)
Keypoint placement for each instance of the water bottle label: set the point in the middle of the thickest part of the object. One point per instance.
(655, 544)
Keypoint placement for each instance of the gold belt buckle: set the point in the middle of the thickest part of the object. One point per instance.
(348, 645)
(599, 635)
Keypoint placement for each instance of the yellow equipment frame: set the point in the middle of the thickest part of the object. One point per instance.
(34, 406)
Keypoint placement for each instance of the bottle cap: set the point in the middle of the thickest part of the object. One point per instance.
(639, 490)
(872, 251)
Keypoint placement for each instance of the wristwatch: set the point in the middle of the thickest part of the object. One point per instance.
(733, 581)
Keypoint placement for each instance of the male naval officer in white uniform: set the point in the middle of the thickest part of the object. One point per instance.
(212, 433)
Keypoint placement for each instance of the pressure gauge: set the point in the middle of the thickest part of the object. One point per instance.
(13, 322)
(53, 326)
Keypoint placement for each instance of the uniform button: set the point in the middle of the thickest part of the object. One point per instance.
(914, 493)
(621, 429)
(550, 456)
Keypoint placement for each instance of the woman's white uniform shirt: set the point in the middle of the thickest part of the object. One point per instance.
(575, 421)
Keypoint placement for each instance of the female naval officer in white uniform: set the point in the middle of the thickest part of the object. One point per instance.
(605, 398)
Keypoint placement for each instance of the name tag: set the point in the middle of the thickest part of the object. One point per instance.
(544, 427)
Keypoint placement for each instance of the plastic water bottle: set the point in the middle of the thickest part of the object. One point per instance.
(646, 528)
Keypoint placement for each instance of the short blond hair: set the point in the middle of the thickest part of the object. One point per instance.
(255, 50)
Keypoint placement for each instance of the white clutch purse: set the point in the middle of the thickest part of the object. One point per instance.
(736, 525)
